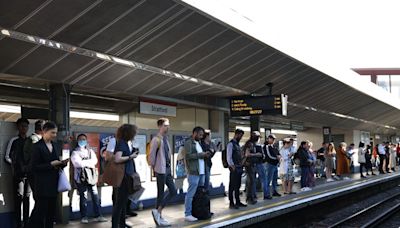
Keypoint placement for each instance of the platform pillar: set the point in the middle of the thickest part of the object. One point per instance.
(59, 109)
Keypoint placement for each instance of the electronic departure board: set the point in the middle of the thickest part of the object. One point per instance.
(259, 105)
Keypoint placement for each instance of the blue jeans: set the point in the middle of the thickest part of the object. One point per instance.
(194, 181)
(262, 176)
(272, 176)
(304, 176)
(207, 178)
(83, 189)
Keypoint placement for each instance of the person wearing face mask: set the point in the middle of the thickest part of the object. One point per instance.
(83, 156)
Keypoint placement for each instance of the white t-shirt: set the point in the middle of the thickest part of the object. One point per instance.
(201, 161)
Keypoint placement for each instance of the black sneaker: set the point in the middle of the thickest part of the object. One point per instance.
(268, 198)
(233, 206)
(252, 202)
(240, 204)
(131, 214)
(276, 194)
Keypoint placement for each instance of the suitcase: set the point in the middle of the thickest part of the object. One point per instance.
(201, 204)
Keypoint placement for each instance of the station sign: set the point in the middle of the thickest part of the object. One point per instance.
(258, 105)
(158, 108)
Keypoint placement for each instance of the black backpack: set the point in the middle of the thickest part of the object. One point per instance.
(201, 204)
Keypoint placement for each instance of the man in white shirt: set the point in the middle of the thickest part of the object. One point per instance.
(382, 157)
(195, 168)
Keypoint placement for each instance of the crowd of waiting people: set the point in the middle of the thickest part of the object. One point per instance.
(36, 166)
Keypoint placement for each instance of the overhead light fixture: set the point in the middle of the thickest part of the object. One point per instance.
(103, 56)
(123, 61)
(283, 132)
(5, 32)
(94, 116)
(10, 109)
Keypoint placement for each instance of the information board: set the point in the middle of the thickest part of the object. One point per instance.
(258, 105)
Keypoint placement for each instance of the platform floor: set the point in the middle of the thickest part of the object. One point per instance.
(175, 213)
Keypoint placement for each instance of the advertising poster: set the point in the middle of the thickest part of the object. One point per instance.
(104, 138)
(142, 167)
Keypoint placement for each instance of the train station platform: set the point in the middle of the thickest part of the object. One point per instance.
(263, 210)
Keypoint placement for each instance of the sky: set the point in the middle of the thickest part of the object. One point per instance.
(349, 33)
(332, 36)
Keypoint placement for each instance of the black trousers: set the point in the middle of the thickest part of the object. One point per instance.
(162, 181)
(43, 212)
(21, 197)
(362, 165)
(382, 158)
(119, 208)
(235, 180)
(251, 177)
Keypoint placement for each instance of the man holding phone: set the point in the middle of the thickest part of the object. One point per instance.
(195, 166)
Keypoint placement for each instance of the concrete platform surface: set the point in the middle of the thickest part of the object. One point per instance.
(175, 213)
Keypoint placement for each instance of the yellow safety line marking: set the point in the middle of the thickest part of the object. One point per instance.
(227, 217)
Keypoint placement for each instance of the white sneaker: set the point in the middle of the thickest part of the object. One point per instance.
(164, 222)
(85, 220)
(346, 178)
(156, 216)
(307, 189)
(100, 219)
(329, 180)
(190, 218)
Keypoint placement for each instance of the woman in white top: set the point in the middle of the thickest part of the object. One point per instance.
(392, 157)
(286, 167)
(361, 158)
(84, 157)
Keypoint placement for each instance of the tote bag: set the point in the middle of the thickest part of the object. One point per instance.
(89, 175)
(113, 173)
(63, 183)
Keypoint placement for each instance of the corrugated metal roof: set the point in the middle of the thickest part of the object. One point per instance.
(171, 36)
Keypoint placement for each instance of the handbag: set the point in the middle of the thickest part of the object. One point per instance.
(89, 175)
(63, 182)
(113, 173)
(134, 183)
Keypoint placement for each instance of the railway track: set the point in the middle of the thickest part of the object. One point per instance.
(373, 215)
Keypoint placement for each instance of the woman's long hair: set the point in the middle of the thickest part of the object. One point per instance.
(302, 145)
(126, 132)
(333, 151)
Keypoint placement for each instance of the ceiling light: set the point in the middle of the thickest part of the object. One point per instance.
(5, 32)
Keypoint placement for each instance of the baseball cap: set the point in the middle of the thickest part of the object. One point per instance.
(272, 136)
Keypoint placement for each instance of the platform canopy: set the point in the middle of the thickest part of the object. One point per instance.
(168, 48)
